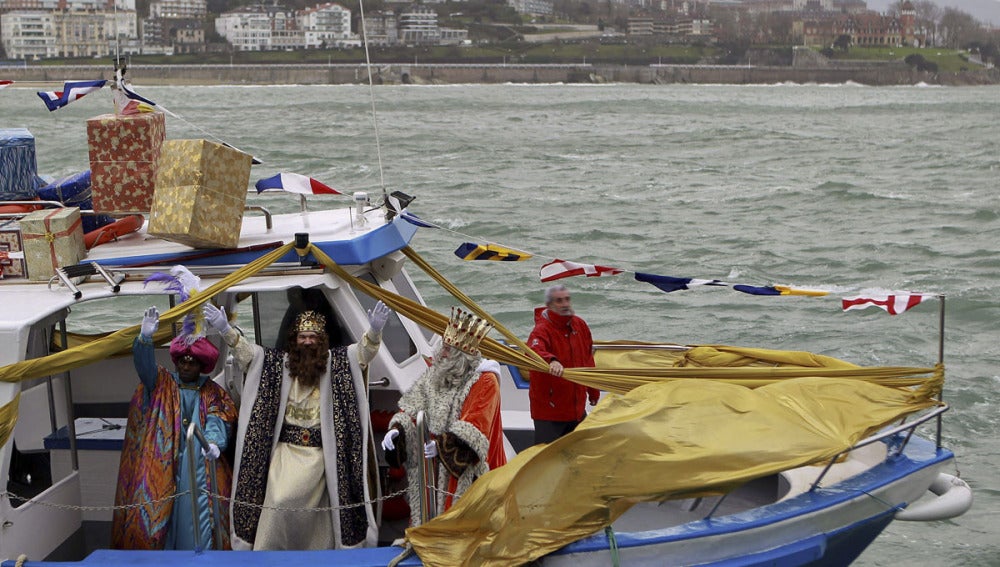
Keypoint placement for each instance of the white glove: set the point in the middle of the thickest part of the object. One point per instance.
(387, 443)
(216, 317)
(211, 453)
(150, 322)
(430, 449)
(377, 316)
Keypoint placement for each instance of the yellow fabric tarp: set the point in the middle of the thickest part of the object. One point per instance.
(664, 440)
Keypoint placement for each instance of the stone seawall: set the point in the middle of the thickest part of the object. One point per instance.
(401, 73)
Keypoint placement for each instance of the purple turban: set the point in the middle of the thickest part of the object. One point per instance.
(202, 350)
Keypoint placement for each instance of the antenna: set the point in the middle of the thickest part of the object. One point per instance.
(371, 94)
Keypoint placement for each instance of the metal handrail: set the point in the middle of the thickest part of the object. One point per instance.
(267, 214)
(908, 427)
(194, 431)
(425, 473)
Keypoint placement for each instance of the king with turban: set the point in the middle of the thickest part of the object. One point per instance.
(155, 458)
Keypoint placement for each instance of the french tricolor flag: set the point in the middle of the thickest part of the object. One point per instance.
(72, 90)
(558, 269)
(295, 183)
(894, 304)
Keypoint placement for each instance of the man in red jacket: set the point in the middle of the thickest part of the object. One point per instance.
(563, 340)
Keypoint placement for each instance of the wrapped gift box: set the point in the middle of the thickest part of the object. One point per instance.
(18, 166)
(74, 191)
(201, 189)
(123, 155)
(10, 241)
(122, 186)
(52, 238)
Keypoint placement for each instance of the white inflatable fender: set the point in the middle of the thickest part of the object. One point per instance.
(952, 498)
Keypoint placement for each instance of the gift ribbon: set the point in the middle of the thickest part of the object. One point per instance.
(51, 237)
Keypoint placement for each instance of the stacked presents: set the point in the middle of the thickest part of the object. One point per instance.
(194, 192)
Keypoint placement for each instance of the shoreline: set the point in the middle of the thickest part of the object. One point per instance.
(883, 74)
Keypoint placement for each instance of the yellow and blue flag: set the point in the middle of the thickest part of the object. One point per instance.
(779, 290)
(473, 251)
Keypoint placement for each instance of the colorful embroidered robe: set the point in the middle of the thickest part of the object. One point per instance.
(154, 448)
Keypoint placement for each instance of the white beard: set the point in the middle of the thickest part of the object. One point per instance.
(455, 370)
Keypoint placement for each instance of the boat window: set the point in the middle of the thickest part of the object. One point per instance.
(404, 286)
(394, 336)
(110, 314)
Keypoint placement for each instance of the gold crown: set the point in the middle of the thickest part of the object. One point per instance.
(310, 322)
(465, 331)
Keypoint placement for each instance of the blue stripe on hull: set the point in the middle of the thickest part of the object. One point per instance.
(837, 549)
(361, 250)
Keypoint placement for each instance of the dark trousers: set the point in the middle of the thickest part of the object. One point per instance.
(548, 431)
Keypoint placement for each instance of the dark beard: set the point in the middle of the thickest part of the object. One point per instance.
(308, 363)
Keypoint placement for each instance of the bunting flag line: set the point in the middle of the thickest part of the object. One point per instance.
(295, 183)
(472, 251)
(72, 90)
(6, 83)
(894, 304)
(415, 220)
(668, 283)
(558, 269)
(779, 290)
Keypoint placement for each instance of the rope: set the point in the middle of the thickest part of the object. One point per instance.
(407, 551)
(20, 560)
(14, 497)
(613, 546)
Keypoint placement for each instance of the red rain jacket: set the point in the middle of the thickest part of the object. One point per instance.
(568, 340)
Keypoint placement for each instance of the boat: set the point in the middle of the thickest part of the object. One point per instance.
(756, 499)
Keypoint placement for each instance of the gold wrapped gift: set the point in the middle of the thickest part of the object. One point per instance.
(53, 238)
(201, 189)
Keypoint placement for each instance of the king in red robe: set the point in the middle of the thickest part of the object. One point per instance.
(460, 397)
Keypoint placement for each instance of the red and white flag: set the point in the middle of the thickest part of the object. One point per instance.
(894, 304)
(558, 269)
(5, 83)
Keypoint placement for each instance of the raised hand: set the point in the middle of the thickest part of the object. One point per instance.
(150, 322)
(377, 316)
(217, 318)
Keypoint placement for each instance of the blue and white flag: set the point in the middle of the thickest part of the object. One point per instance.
(72, 90)
(668, 283)
(414, 219)
(134, 95)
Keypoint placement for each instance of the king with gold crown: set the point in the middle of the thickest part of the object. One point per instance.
(460, 396)
(301, 437)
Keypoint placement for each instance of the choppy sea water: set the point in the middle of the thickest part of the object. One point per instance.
(839, 187)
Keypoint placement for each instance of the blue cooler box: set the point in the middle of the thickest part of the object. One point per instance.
(74, 191)
(18, 167)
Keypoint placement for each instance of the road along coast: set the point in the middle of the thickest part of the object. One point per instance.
(875, 74)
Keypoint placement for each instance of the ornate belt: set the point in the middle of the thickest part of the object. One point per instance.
(302, 436)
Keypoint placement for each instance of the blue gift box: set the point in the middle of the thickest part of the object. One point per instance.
(18, 167)
(74, 191)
